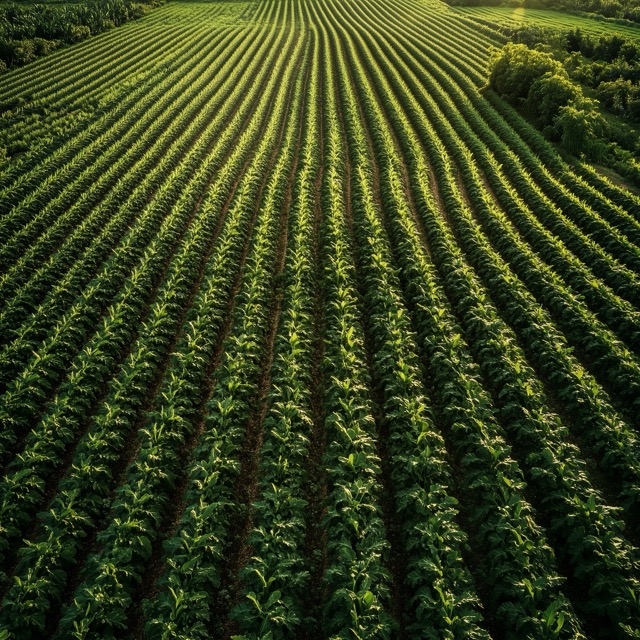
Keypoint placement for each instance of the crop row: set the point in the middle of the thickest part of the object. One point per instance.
(303, 334)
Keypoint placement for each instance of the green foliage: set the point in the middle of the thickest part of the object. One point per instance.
(515, 68)
(313, 289)
(539, 83)
(30, 31)
(17, 52)
(582, 128)
(555, 89)
(548, 95)
(533, 35)
(621, 97)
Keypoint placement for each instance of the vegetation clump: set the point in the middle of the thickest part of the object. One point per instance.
(582, 92)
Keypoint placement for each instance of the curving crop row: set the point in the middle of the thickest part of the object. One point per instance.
(98, 359)
(46, 260)
(179, 173)
(103, 80)
(194, 555)
(356, 579)
(610, 360)
(545, 166)
(80, 272)
(49, 179)
(622, 317)
(69, 171)
(74, 61)
(587, 249)
(305, 333)
(608, 437)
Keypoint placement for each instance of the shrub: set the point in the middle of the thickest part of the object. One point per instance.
(548, 94)
(43, 46)
(17, 52)
(78, 32)
(621, 97)
(515, 68)
(581, 128)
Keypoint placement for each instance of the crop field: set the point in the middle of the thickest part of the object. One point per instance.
(305, 334)
(520, 16)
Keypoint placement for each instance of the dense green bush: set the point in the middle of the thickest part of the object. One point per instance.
(548, 95)
(581, 128)
(515, 68)
(540, 85)
(610, 65)
(621, 97)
